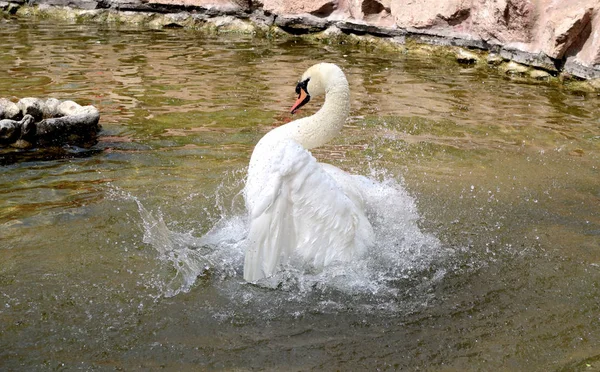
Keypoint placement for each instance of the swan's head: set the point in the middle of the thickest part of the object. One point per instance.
(316, 81)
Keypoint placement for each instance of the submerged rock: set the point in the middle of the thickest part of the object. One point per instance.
(513, 68)
(44, 123)
(465, 57)
(494, 59)
(539, 74)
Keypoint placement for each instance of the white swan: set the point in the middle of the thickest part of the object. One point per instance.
(303, 212)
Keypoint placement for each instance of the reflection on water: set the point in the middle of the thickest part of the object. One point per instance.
(488, 250)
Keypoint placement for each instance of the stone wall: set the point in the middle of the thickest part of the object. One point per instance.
(554, 35)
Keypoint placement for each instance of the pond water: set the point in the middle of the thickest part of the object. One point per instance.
(129, 255)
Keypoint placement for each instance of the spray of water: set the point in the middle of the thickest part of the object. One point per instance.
(404, 261)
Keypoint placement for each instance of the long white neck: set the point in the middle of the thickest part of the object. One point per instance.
(320, 128)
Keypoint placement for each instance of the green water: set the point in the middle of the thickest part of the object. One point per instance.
(504, 173)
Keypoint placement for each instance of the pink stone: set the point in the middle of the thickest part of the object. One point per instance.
(589, 54)
(373, 12)
(504, 20)
(565, 26)
(428, 13)
(321, 8)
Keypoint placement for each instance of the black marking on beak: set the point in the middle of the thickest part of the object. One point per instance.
(303, 96)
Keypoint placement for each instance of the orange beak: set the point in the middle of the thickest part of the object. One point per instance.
(303, 99)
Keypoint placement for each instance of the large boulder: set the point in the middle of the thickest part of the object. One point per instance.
(566, 25)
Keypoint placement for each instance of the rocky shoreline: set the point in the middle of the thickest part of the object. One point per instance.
(551, 38)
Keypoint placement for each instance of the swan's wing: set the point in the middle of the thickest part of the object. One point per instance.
(299, 211)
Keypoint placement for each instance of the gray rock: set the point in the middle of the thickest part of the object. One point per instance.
(88, 111)
(82, 126)
(80, 4)
(573, 67)
(8, 109)
(66, 108)
(262, 18)
(532, 59)
(32, 106)
(12, 130)
(302, 23)
(9, 131)
(51, 107)
(361, 27)
(28, 127)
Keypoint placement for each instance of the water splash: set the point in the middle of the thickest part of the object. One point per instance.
(403, 262)
(216, 254)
